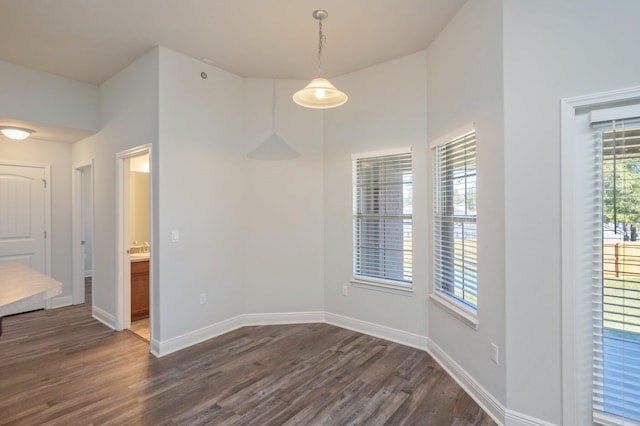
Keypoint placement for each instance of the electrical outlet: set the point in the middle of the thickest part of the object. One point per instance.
(203, 298)
(494, 353)
(345, 290)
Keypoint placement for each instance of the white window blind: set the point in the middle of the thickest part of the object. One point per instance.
(616, 273)
(455, 248)
(382, 218)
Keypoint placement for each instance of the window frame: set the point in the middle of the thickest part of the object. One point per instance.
(372, 282)
(460, 309)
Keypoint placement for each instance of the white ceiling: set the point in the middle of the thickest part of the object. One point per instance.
(91, 40)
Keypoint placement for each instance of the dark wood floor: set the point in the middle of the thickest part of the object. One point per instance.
(63, 367)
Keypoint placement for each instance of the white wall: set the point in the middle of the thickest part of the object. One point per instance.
(48, 99)
(552, 50)
(284, 205)
(387, 108)
(201, 160)
(464, 85)
(58, 155)
(129, 118)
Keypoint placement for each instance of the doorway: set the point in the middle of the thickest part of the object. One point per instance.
(135, 241)
(600, 287)
(82, 218)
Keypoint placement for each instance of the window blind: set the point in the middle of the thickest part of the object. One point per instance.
(382, 218)
(455, 232)
(616, 273)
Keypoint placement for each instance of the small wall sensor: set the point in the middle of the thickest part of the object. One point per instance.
(203, 75)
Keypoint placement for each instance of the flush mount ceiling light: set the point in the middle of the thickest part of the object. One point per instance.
(320, 93)
(16, 133)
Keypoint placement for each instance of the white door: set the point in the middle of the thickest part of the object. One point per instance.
(22, 215)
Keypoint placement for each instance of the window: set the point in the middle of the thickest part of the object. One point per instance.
(616, 288)
(455, 249)
(600, 287)
(382, 218)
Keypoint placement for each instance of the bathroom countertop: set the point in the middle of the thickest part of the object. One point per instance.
(139, 257)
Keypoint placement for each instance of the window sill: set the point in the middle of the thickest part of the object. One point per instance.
(386, 287)
(456, 310)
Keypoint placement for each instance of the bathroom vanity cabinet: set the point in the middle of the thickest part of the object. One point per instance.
(139, 290)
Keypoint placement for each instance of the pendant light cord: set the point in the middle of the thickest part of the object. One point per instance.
(273, 108)
(322, 39)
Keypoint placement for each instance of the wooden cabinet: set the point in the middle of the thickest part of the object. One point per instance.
(139, 290)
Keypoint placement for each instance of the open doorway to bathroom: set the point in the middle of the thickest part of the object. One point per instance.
(140, 248)
(135, 294)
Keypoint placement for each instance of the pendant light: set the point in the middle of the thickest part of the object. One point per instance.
(273, 147)
(320, 93)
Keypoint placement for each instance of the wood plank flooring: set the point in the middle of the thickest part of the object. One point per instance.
(142, 329)
(61, 367)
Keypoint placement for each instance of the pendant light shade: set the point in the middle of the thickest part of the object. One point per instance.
(273, 147)
(320, 93)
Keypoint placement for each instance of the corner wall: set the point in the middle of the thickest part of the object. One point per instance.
(283, 219)
(200, 181)
(464, 85)
(378, 116)
(129, 117)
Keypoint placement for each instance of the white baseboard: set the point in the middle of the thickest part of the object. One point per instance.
(405, 338)
(283, 318)
(60, 302)
(485, 399)
(174, 344)
(154, 346)
(513, 418)
(162, 348)
(104, 317)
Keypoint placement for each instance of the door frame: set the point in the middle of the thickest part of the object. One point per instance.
(47, 210)
(123, 287)
(576, 298)
(77, 231)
